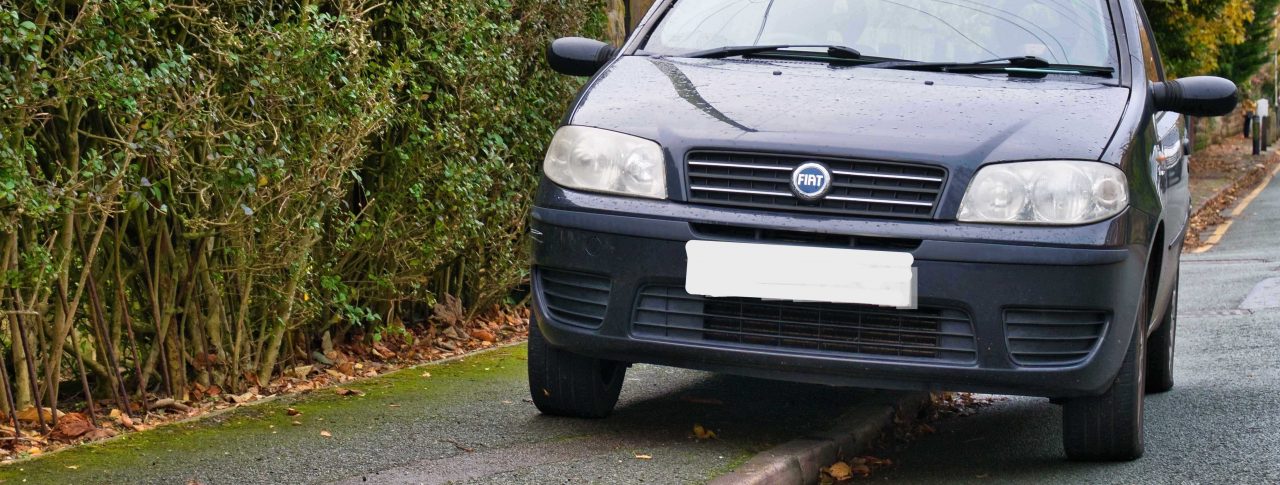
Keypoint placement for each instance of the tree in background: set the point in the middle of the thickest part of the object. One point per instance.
(1196, 35)
(1239, 62)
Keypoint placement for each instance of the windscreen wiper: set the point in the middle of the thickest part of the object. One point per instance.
(1023, 65)
(836, 51)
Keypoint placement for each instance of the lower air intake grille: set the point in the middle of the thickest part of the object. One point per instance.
(930, 334)
(1053, 338)
(575, 298)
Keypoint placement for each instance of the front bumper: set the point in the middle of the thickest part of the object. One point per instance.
(984, 280)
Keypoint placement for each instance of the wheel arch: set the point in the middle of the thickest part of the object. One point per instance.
(1153, 277)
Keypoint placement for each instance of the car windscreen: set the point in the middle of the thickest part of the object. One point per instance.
(1059, 31)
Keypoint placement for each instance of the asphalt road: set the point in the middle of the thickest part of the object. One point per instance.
(1220, 423)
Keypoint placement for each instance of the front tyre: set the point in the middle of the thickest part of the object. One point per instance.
(1109, 427)
(562, 383)
(1160, 349)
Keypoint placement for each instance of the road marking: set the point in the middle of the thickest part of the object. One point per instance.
(1227, 261)
(1221, 230)
(1215, 313)
(1265, 295)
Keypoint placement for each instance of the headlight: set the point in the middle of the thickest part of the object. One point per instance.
(1047, 193)
(606, 161)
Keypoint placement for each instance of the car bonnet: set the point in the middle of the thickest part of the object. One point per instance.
(957, 120)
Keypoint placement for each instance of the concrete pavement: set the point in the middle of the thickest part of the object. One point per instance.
(468, 422)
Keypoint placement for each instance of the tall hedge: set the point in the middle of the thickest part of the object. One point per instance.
(191, 190)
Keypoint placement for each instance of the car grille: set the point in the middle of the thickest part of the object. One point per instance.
(816, 239)
(861, 188)
(929, 334)
(575, 298)
(1053, 338)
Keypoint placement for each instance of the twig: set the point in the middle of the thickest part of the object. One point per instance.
(31, 368)
(84, 375)
(123, 303)
(108, 348)
(84, 379)
(458, 445)
(169, 403)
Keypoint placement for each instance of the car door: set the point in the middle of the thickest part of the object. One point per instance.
(1169, 163)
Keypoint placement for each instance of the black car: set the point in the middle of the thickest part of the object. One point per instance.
(987, 195)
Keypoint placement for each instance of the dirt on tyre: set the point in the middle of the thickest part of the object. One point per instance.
(1109, 427)
(563, 383)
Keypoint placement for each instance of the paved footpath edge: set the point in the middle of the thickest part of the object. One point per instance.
(799, 461)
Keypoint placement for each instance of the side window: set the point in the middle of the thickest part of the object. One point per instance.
(1155, 72)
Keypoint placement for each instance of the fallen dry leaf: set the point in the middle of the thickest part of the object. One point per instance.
(858, 467)
(839, 471)
(297, 423)
(346, 368)
(382, 351)
(29, 415)
(292, 412)
(703, 433)
(861, 470)
(873, 461)
(644, 457)
(447, 312)
(73, 467)
(100, 434)
(326, 434)
(426, 374)
(483, 335)
(342, 391)
(302, 371)
(71, 426)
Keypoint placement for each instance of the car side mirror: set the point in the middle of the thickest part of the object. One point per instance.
(1196, 96)
(577, 56)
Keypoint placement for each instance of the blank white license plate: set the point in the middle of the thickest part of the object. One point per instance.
(794, 273)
